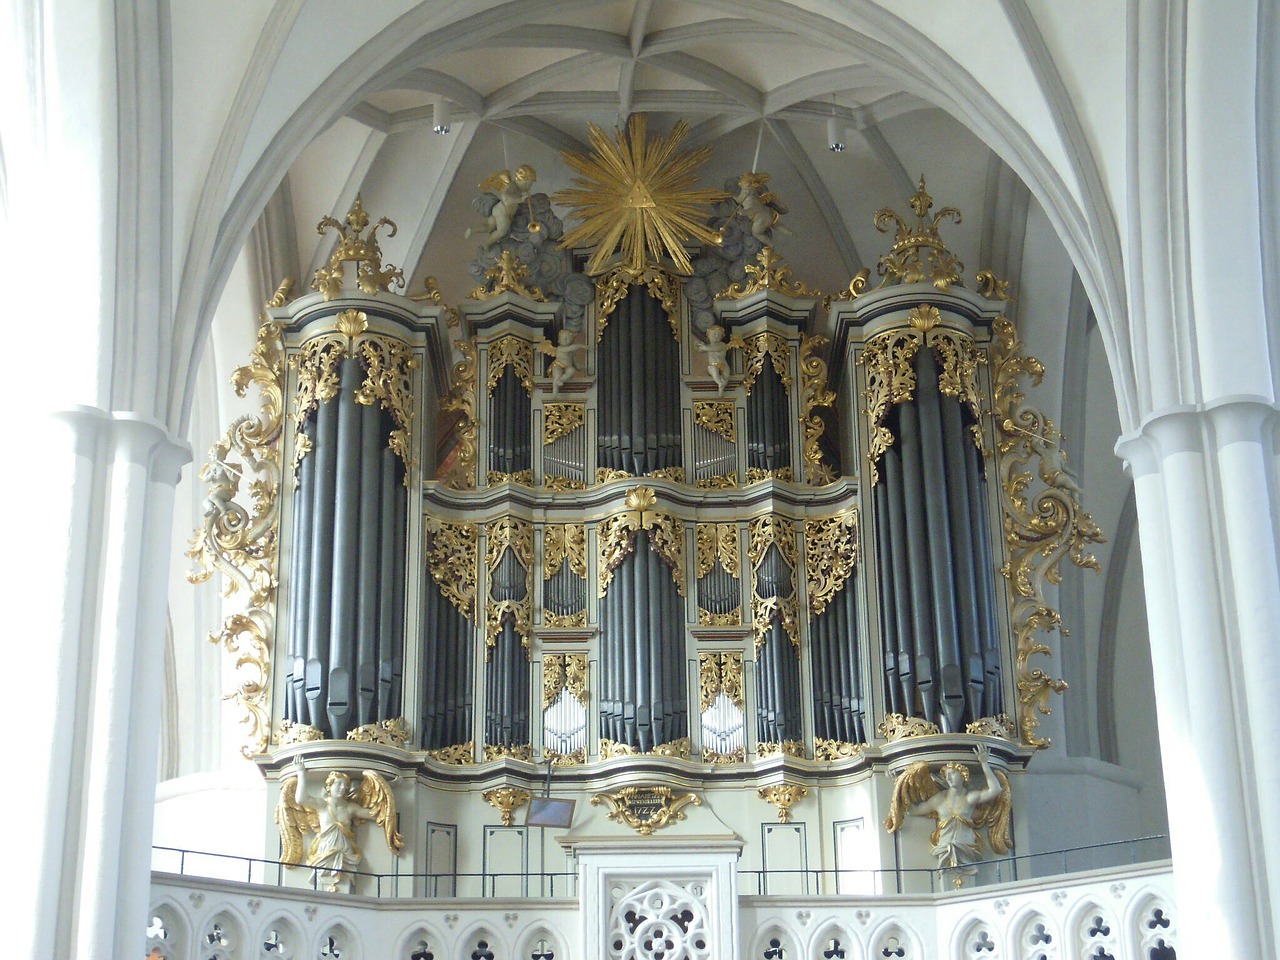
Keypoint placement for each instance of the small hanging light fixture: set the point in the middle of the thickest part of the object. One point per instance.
(441, 117)
(835, 136)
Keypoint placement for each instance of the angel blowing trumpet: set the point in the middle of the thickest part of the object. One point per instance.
(958, 811)
(333, 816)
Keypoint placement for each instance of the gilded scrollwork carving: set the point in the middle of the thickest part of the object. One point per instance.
(458, 754)
(1040, 530)
(575, 759)
(719, 673)
(616, 537)
(721, 481)
(364, 251)
(606, 474)
(769, 272)
(764, 532)
(918, 253)
(561, 484)
(563, 542)
(1001, 725)
(451, 557)
(289, 732)
(718, 417)
(495, 477)
(506, 274)
(717, 541)
(613, 286)
(680, 749)
(731, 619)
(645, 809)
(897, 727)
(836, 749)
(391, 733)
(508, 751)
(242, 542)
(717, 758)
(759, 474)
(461, 400)
(511, 351)
(830, 556)
(389, 366)
(891, 379)
(506, 800)
(784, 796)
(674, 474)
(317, 366)
(561, 419)
(759, 347)
(814, 394)
(564, 621)
(958, 362)
(564, 671)
(787, 748)
(509, 533)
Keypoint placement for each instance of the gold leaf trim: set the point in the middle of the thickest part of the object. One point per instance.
(764, 532)
(897, 727)
(510, 351)
(731, 619)
(830, 556)
(563, 621)
(389, 366)
(606, 474)
(495, 477)
(759, 475)
(769, 272)
(836, 749)
(616, 538)
(560, 484)
(646, 809)
(289, 732)
(724, 759)
(516, 535)
(371, 276)
(783, 796)
(241, 542)
(461, 399)
(721, 481)
(891, 379)
(506, 274)
(508, 751)
(392, 733)
(674, 474)
(459, 754)
(318, 378)
(716, 541)
(1040, 531)
(1001, 725)
(918, 253)
(561, 542)
(506, 800)
(719, 673)
(564, 671)
(557, 759)
(611, 288)
(787, 748)
(755, 349)
(718, 417)
(561, 419)
(814, 394)
(680, 749)
(452, 552)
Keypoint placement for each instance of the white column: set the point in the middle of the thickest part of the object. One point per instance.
(92, 783)
(1208, 508)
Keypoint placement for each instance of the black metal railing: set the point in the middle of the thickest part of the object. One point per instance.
(564, 886)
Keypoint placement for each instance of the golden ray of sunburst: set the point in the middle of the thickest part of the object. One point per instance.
(637, 192)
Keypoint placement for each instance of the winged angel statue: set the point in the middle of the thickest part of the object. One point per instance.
(959, 811)
(333, 816)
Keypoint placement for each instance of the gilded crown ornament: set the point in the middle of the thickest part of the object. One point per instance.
(354, 247)
(918, 253)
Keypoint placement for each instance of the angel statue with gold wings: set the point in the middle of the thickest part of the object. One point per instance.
(959, 811)
(333, 816)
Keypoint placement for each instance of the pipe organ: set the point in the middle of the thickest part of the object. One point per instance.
(808, 547)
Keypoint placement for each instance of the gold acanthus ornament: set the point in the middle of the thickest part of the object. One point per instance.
(389, 366)
(391, 733)
(767, 532)
(561, 419)
(507, 274)
(769, 272)
(897, 727)
(645, 809)
(717, 541)
(679, 749)
(918, 253)
(760, 474)
(289, 732)
(613, 286)
(1040, 530)
(836, 749)
(1001, 725)
(507, 800)
(495, 477)
(458, 754)
(891, 376)
(461, 400)
(757, 347)
(511, 351)
(721, 481)
(508, 751)
(787, 748)
(719, 673)
(317, 366)
(241, 542)
(784, 796)
(564, 671)
(616, 537)
(509, 533)
(814, 394)
(451, 557)
(718, 417)
(563, 542)
(364, 251)
(830, 556)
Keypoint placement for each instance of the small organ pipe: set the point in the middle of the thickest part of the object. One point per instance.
(367, 568)
(325, 456)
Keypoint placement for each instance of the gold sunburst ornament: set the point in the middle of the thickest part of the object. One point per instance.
(638, 192)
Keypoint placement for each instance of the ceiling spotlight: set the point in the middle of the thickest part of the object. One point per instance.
(835, 138)
(441, 118)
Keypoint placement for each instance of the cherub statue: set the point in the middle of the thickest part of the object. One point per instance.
(562, 367)
(223, 479)
(510, 192)
(333, 816)
(959, 811)
(760, 206)
(717, 351)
